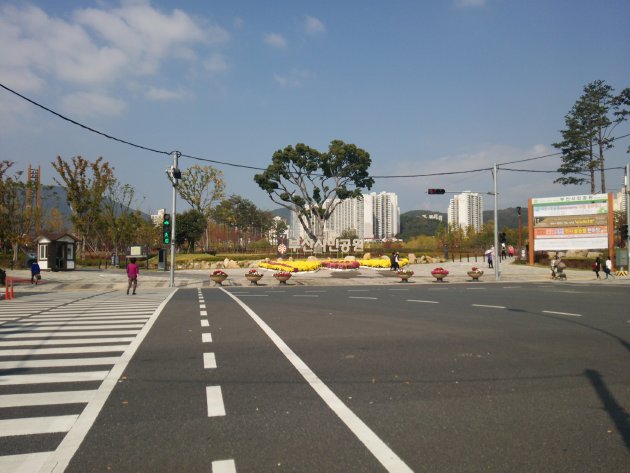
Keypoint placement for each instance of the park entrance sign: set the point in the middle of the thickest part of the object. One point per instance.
(574, 222)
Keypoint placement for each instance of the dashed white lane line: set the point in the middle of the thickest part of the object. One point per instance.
(205, 323)
(206, 338)
(373, 443)
(489, 306)
(359, 297)
(209, 361)
(358, 290)
(202, 306)
(305, 295)
(203, 312)
(561, 313)
(223, 466)
(214, 397)
(316, 291)
(425, 302)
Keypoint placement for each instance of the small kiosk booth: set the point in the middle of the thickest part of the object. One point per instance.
(56, 252)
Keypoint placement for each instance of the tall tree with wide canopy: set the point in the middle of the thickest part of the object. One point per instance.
(201, 187)
(588, 134)
(312, 184)
(85, 184)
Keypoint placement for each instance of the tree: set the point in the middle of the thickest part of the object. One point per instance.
(588, 133)
(117, 215)
(190, 227)
(312, 184)
(242, 214)
(201, 186)
(349, 234)
(84, 192)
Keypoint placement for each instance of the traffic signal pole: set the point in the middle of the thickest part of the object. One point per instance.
(495, 257)
(174, 168)
(627, 179)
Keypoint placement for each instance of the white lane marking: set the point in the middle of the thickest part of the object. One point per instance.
(206, 338)
(561, 313)
(209, 361)
(46, 399)
(358, 290)
(203, 312)
(78, 322)
(205, 323)
(60, 459)
(489, 306)
(62, 351)
(26, 334)
(511, 287)
(361, 297)
(75, 341)
(305, 295)
(315, 291)
(254, 295)
(49, 363)
(78, 377)
(475, 288)
(36, 329)
(394, 289)
(215, 401)
(373, 443)
(223, 466)
(202, 306)
(36, 425)
(426, 302)
(23, 463)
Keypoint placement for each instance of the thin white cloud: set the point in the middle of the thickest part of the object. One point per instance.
(162, 95)
(470, 3)
(313, 25)
(88, 104)
(276, 40)
(294, 79)
(216, 63)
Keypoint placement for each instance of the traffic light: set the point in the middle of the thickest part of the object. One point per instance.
(623, 230)
(436, 191)
(166, 229)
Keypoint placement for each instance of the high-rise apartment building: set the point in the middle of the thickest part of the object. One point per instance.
(374, 217)
(466, 210)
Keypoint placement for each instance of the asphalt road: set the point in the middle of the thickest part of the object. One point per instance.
(428, 378)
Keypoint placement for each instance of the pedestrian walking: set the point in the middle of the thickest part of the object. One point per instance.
(132, 276)
(35, 272)
(597, 267)
(608, 268)
(490, 254)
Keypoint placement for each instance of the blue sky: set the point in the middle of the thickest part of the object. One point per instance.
(423, 86)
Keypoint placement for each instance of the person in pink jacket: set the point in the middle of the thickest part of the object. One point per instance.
(132, 275)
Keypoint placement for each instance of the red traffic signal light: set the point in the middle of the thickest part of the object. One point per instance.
(436, 191)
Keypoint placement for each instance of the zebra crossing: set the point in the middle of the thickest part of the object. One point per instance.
(56, 352)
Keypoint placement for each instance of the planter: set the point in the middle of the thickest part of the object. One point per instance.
(475, 275)
(254, 278)
(439, 276)
(218, 279)
(404, 277)
(282, 279)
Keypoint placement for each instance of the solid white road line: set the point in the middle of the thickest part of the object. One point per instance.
(209, 361)
(561, 313)
(489, 306)
(59, 460)
(69, 341)
(215, 401)
(223, 466)
(23, 463)
(426, 302)
(205, 323)
(63, 350)
(373, 443)
(206, 338)
(36, 425)
(78, 377)
(46, 399)
(50, 363)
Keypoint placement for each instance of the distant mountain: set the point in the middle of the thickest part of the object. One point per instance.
(508, 218)
(283, 213)
(420, 222)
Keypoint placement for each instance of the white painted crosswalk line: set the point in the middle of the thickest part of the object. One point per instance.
(46, 399)
(23, 463)
(63, 350)
(68, 341)
(60, 362)
(69, 334)
(74, 377)
(36, 328)
(36, 425)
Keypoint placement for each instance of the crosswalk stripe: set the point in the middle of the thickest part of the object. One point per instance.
(36, 425)
(74, 341)
(58, 362)
(23, 463)
(69, 334)
(46, 399)
(75, 377)
(36, 328)
(63, 350)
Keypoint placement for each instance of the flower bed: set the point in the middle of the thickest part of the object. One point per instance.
(382, 263)
(291, 266)
(340, 264)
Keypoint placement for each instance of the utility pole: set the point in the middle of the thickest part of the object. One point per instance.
(495, 257)
(174, 174)
(627, 185)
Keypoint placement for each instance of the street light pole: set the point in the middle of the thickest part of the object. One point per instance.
(495, 257)
(173, 174)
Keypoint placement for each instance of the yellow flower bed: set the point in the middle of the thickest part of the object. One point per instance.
(382, 263)
(291, 266)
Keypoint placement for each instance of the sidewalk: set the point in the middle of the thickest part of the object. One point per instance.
(115, 279)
